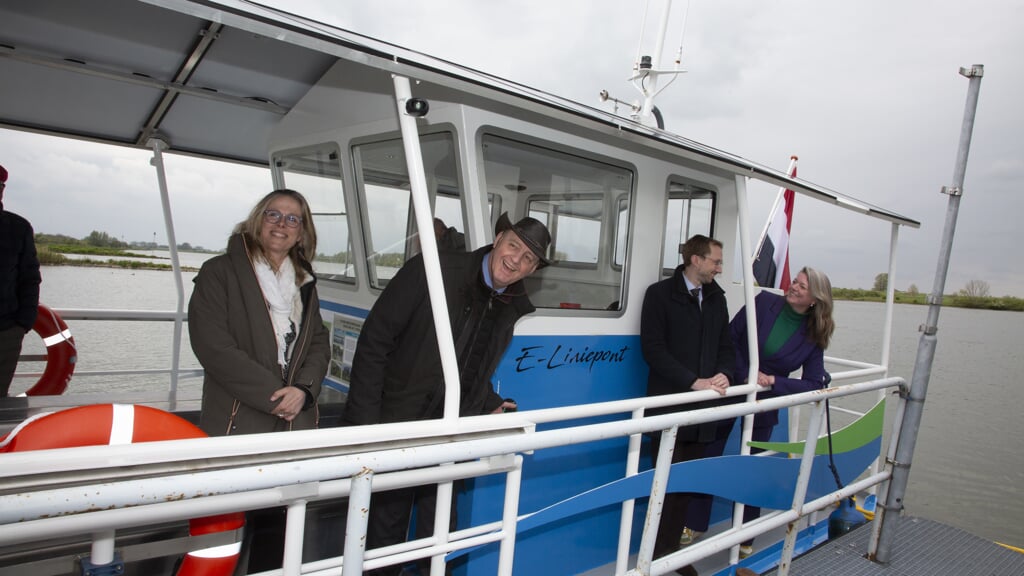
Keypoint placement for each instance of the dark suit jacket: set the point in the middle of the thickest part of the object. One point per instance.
(797, 352)
(681, 343)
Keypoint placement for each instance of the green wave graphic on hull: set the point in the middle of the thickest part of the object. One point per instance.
(860, 432)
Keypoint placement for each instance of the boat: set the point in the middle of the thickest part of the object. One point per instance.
(382, 140)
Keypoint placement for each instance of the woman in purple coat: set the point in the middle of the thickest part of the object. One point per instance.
(793, 332)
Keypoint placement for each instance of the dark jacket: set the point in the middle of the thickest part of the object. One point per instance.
(396, 371)
(233, 338)
(797, 352)
(682, 342)
(19, 272)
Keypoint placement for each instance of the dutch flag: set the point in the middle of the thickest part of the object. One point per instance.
(771, 262)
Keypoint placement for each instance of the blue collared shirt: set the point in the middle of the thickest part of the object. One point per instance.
(487, 274)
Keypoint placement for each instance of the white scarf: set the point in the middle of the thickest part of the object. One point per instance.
(284, 303)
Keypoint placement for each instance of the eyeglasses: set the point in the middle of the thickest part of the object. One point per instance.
(290, 220)
(715, 262)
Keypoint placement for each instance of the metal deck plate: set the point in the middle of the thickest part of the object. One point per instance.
(922, 548)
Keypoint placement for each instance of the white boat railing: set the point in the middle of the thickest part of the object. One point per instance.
(106, 489)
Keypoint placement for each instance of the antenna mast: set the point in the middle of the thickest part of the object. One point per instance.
(646, 73)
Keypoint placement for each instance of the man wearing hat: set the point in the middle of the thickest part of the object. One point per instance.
(19, 286)
(396, 371)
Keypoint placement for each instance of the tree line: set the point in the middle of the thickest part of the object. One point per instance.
(974, 294)
(97, 239)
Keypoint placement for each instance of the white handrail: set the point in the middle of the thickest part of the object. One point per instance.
(47, 504)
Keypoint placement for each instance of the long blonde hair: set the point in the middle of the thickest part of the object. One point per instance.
(820, 324)
(300, 253)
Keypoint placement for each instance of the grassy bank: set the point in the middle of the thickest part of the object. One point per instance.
(1008, 303)
(53, 255)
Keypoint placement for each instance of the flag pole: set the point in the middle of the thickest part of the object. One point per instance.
(775, 208)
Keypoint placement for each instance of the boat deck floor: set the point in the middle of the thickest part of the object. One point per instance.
(921, 548)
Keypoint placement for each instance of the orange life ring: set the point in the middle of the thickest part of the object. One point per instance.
(61, 354)
(101, 424)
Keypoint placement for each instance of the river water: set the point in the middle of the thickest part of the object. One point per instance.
(967, 468)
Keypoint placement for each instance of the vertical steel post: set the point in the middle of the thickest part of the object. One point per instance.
(892, 507)
(295, 531)
(626, 517)
(747, 266)
(803, 480)
(510, 517)
(442, 519)
(659, 488)
(428, 245)
(355, 524)
(102, 552)
(157, 162)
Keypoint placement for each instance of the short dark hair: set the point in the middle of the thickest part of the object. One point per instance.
(697, 245)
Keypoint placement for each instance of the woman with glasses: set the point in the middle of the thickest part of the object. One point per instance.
(255, 325)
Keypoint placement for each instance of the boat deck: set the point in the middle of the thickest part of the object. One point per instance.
(922, 548)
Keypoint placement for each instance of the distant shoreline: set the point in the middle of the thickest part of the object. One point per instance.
(1006, 303)
(50, 255)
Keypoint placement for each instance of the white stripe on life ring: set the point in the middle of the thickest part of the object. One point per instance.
(10, 436)
(57, 338)
(218, 551)
(122, 424)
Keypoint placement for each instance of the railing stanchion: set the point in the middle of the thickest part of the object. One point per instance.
(295, 531)
(355, 524)
(626, 519)
(802, 481)
(509, 518)
(659, 488)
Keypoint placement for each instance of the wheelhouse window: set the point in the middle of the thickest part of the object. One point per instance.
(315, 172)
(388, 217)
(690, 211)
(585, 204)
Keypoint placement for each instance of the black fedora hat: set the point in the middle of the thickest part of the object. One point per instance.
(531, 231)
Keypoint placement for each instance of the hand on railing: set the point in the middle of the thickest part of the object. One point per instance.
(719, 383)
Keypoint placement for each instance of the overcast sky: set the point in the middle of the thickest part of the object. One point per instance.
(866, 93)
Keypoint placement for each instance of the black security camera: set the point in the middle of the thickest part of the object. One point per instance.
(417, 107)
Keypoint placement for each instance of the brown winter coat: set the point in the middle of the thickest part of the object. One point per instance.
(233, 338)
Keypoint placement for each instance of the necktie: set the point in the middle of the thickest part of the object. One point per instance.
(696, 295)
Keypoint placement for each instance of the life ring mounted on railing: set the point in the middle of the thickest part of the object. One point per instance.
(101, 424)
(61, 354)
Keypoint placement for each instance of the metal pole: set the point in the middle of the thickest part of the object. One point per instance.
(157, 161)
(650, 91)
(355, 524)
(747, 266)
(509, 517)
(659, 489)
(442, 519)
(802, 482)
(294, 533)
(428, 246)
(892, 507)
(626, 518)
(102, 548)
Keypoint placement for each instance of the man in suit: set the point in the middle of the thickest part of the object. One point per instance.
(684, 335)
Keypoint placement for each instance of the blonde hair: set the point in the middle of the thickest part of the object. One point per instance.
(820, 324)
(300, 253)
